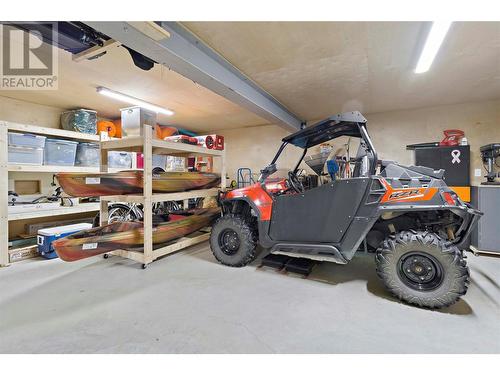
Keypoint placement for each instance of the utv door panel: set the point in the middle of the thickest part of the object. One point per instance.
(322, 214)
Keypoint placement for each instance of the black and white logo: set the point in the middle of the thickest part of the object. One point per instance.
(455, 155)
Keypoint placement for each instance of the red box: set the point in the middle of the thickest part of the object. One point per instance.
(212, 141)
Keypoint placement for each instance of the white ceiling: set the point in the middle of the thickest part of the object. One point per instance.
(315, 69)
(320, 68)
(195, 107)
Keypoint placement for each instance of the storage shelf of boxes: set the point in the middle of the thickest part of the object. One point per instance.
(148, 146)
(31, 148)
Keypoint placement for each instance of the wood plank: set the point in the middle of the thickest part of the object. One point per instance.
(131, 198)
(148, 193)
(123, 143)
(50, 168)
(133, 255)
(160, 147)
(163, 197)
(103, 168)
(60, 169)
(26, 128)
(181, 244)
(83, 207)
(172, 148)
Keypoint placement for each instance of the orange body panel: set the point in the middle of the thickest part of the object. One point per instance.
(258, 196)
(462, 191)
(406, 194)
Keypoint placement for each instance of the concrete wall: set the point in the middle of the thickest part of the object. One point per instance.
(391, 131)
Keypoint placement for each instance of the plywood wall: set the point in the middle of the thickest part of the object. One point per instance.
(29, 113)
(391, 131)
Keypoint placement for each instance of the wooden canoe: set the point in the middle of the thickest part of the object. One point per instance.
(131, 182)
(129, 235)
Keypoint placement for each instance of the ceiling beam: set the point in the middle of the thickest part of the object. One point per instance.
(184, 53)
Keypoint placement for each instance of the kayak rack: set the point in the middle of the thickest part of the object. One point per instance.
(149, 146)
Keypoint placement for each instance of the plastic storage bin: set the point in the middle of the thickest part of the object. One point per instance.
(87, 155)
(26, 140)
(47, 236)
(25, 155)
(80, 120)
(60, 152)
(117, 159)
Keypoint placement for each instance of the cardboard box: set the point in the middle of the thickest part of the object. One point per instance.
(22, 253)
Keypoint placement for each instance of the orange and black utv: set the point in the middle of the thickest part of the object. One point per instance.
(416, 225)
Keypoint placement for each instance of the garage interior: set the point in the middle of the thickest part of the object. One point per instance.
(252, 83)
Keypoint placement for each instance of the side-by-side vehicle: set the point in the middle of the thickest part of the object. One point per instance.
(417, 226)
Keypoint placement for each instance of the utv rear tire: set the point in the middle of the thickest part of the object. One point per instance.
(422, 269)
(233, 241)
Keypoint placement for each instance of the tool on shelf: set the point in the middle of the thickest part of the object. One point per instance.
(452, 137)
(489, 155)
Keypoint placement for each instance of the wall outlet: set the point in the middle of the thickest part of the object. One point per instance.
(477, 172)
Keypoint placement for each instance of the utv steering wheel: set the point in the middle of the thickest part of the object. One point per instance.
(295, 183)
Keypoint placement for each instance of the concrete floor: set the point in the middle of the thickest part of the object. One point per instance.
(188, 303)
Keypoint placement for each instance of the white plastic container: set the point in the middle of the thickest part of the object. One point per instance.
(25, 155)
(87, 155)
(26, 140)
(117, 159)
(60, 152)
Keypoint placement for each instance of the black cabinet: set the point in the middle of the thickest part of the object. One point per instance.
(455, 160)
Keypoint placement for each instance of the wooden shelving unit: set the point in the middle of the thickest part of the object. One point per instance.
(63, 210)
(55, 169)
(150, 146)
(5, 168)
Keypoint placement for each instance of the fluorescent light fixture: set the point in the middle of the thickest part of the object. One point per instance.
(432, 44)
(130, 99)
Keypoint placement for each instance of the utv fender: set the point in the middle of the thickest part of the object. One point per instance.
(227, 204)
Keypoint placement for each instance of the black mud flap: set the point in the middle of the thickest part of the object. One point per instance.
(275, 261)
(301, 266)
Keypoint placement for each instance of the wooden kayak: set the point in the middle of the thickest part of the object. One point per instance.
(131, 182)
(129, 235)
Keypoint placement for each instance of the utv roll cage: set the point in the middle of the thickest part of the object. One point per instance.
(351, 124)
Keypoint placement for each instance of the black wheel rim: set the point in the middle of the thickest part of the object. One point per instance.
(420, 271)
(229, 242)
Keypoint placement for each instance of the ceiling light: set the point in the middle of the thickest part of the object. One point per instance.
(432, 44)
(134, 101)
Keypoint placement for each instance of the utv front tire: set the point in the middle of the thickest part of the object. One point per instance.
(233, 241)
(422, 269)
